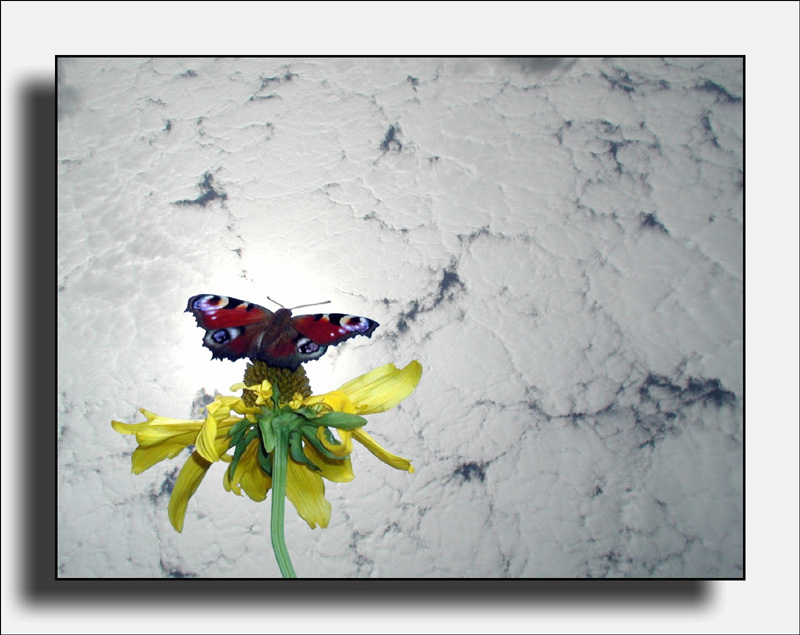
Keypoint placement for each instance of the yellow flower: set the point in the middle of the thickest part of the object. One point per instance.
(316, 452)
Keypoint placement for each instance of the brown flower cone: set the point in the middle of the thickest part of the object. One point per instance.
(287, 381)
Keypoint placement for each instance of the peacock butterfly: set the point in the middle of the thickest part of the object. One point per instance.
(237, 329)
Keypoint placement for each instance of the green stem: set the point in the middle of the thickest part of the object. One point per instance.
(280, 457)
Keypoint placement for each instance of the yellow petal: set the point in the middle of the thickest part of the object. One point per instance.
(335, 400)
(145, 457)
(249, 475)
(155, 435)
(397, 462)
(189, 480)
(205, 440)
(335, 470)
(262, 392)
(339, 450)
(306, 491)
(382, 388)
(225, 403)
(156, 429)
(159, 438)
(216, 425)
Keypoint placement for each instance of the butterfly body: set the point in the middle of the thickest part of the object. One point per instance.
(237, 329)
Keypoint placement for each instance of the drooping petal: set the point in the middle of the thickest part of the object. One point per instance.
(342, 449)
(336, 471)
(306, 491)
(397, 462)
(205, 440)
(217, 424)
(145, 457)
(248, 476)
(189, 479)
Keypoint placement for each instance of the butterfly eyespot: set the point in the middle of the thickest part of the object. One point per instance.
(354, 323)
(305, 345)
(209, 302)
(221, 336)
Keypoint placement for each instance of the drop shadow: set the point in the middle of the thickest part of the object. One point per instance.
(36, 312)
(38, 527)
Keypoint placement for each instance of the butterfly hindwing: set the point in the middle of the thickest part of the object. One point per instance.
(237, 329)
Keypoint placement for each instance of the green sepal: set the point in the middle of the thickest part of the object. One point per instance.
(236, 438)
(340, 420)
(241, 446)
(252, 433)
(296, 450)
(310, 433)
(237, 454)
(263, 459)
(307, 413)
(268, 436)
(238, 430)
(239, 426)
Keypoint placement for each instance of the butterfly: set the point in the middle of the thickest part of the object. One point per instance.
(237, 329)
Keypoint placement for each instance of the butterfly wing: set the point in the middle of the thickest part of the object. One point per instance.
(237, 329)
(234, 328)
(330, 329)
(219, 311)
(307, 337)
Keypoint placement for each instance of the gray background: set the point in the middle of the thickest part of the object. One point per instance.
(766, 33)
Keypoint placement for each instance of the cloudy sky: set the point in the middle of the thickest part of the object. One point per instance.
(558, 241)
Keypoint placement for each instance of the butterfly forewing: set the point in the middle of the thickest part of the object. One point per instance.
(333, 328)
(219, 311)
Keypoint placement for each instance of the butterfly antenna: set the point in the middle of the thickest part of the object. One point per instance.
(276, 302)
(303, 306)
